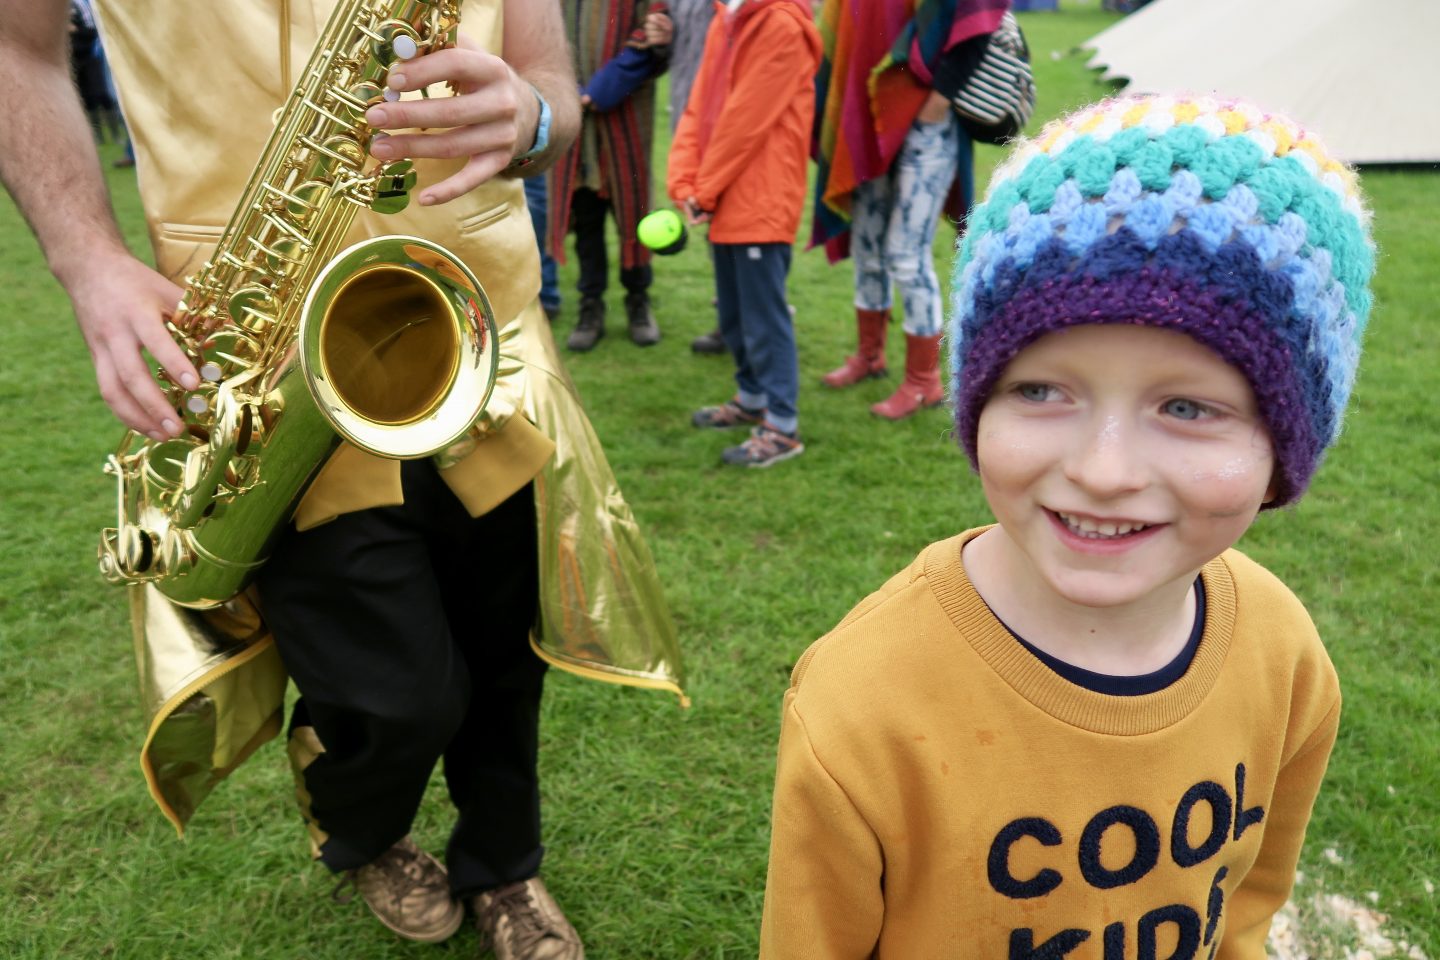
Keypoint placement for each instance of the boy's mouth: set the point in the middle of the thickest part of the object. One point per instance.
(1089, 528)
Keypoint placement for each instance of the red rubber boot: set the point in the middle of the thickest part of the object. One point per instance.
(869, 358)
(921, 386)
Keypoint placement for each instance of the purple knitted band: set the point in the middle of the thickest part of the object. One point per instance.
(1153, 297)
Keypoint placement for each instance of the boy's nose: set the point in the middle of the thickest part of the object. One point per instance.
(1107, 461)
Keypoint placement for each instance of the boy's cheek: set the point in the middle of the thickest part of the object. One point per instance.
(1231, 486)
(1005, 446)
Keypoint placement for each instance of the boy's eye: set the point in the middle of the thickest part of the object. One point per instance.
(1036, 392)
(1182, 409)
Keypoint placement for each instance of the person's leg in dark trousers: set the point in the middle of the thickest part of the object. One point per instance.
(637, 280)
(491, 586)
(639, 318)
(767, 329)
(587, 222)
(750, 393)
(389, 669)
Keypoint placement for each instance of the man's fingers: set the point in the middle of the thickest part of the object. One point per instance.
(118, 399)
(489, 105)
(131, 392)
(142, 388)
(462, 68)
(447, 144)
(477, 171)
(167, 352)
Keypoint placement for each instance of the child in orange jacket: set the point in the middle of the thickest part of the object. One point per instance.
(738, 164)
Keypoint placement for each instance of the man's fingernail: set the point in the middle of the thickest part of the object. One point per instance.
(427, 200)
(171, 427)
(155, 435)
(396, 79)
(189, 381)
(379, 147)
(375, 117)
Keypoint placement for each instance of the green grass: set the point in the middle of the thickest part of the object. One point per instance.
(657, 818)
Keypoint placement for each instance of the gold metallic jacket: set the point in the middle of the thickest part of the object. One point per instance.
(198, 87)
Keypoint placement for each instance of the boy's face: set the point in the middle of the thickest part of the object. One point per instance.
(1120, 459)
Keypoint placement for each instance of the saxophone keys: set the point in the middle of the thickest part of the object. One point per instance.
(286, 255)
(242, 473)
(394, 40)
(405, 47)
(125, 554)
(174, 554)
(361, 97)
(252, 308)
(393, 183)
(305, 200)
(235, 348)
(339, 151)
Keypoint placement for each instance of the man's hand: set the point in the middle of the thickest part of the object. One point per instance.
(694, 216)
(121, 306)
(490, 120)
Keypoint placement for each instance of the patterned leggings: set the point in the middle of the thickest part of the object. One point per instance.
(893, 225)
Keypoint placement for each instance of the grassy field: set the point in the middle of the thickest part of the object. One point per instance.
(657, 818)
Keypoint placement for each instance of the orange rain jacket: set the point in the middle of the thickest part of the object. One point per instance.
(744, 140)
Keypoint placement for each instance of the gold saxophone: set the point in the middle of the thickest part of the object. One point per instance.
(389, 344)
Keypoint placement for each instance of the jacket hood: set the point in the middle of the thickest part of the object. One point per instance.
(800, 9)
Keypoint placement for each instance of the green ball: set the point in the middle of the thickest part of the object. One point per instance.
(662, 231)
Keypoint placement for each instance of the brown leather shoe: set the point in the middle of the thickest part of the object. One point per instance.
(521, 921)
(409, 892)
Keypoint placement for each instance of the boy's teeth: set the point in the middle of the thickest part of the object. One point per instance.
(1097, 529)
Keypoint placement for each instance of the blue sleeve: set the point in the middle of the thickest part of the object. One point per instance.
(621, 76)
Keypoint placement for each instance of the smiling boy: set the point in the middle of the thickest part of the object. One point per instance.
(1094, 729)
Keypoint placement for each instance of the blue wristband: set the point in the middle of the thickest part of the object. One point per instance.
(542, 135)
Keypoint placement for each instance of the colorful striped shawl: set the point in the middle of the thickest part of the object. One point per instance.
(874, 77)
(612, 153)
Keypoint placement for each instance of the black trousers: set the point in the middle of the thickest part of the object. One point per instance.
(406, 631)
(587, 222)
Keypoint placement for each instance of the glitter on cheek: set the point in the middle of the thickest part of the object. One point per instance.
(1235, 469)
(1231, 488)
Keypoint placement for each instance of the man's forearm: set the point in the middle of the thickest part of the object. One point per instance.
(559, 92)
(47, 151)
(532, 28)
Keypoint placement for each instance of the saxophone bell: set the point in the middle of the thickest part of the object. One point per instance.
(397, 345)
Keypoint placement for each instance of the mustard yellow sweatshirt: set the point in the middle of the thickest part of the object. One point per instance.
(941, 793)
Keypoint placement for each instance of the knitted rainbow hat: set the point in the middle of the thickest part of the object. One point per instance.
(1212, 218)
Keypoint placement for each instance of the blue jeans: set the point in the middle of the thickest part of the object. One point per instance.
(756, 326)
(893, 225)
(536, 200)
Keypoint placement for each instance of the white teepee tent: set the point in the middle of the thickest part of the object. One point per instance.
(1365, 74)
